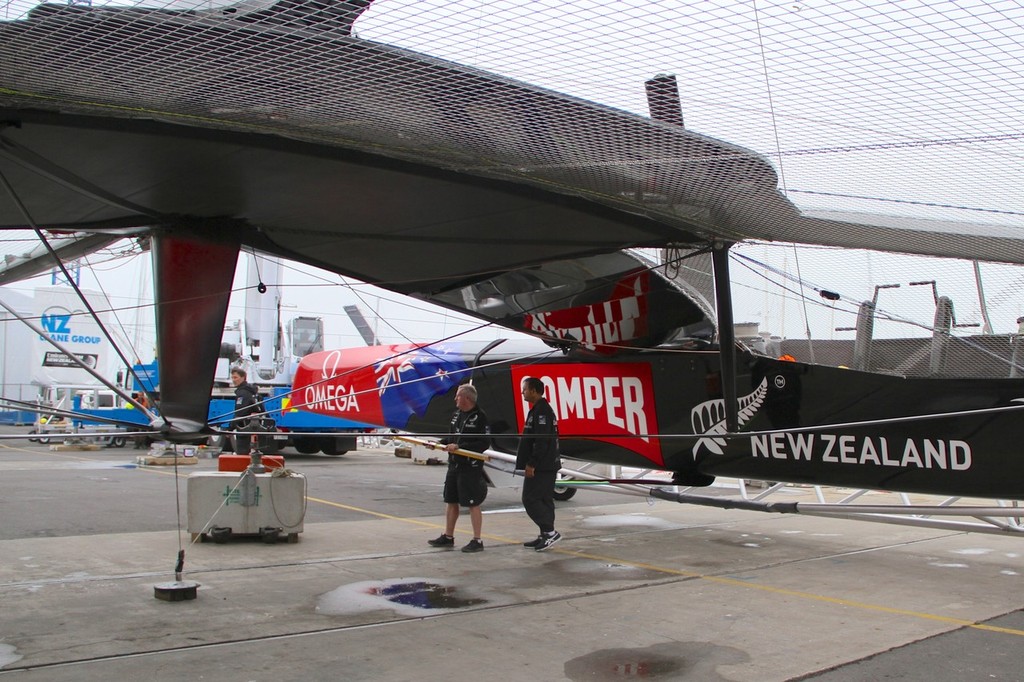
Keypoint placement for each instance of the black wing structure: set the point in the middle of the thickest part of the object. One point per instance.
(215, 130)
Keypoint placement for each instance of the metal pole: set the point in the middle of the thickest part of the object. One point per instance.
(987, 328)
(726, 333)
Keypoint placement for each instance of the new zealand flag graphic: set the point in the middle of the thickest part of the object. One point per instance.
(408, 381)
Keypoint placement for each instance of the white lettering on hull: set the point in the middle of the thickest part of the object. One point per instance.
(331, 398)
(616, 400)
(831, 448)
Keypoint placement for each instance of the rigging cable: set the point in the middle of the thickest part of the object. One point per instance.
(120, 354)
(782, 168)
(771, 103)
(120, 325)
(803, 300)
(42, 238)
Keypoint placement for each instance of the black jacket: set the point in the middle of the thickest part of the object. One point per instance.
(246, 404)
(469, 432)
(539, 446)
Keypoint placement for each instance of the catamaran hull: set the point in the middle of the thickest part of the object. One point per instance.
(663, 410)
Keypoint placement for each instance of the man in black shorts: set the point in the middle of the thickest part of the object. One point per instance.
(465, 484)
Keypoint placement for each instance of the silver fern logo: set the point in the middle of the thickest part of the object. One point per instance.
(708, 418)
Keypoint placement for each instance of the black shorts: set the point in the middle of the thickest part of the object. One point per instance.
(465, 486)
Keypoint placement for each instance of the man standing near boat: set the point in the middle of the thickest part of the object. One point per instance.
(538, 457)
(465, 483)
(247, 404)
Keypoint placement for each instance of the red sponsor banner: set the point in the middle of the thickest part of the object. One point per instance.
(382, 385)
(609, 402)
(340, 383)
(600, 326)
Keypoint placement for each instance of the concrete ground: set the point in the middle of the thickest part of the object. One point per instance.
(655, 591)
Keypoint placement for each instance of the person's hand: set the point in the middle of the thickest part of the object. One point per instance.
(529, 471)
(451, 447)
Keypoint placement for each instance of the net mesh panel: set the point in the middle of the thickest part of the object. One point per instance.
(909, 110)
(914, 316)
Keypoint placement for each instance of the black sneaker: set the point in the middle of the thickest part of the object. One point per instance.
(442, 541)
(532, 544)
(474, 546)
(547, 540)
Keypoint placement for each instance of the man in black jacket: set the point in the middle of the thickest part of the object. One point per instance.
(465, 483)
(247, 399)
(538, 457)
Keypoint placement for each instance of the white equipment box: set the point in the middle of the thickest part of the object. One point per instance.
(424, 455)
(219, 500)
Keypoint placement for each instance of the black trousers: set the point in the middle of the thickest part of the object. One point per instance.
(539, 500)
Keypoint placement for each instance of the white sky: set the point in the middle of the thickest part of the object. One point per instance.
(305, 291)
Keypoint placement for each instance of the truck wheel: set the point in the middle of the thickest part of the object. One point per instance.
(306, 445)
(330, 446)
(118, 442)
(269, 446)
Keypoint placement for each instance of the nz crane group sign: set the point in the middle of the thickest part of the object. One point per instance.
(64, 320)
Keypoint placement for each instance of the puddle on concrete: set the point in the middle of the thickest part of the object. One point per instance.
(100, 464)
(426, 595)
(406, 596)
(744, 540)
(629, 521)
(604, 571)
(7, 655)
(669, 661)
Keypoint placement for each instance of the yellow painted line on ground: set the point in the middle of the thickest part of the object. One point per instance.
(5, 446)
(415, 522)
(66, 454)
(732, 582)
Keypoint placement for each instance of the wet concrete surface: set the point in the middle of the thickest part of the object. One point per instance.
(654, 591)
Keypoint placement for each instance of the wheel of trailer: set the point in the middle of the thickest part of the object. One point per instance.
(220, 535)
(563, 493)
(118, 442)
(305, 445)
(329, 446)
(44, 440)
(270, 535)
